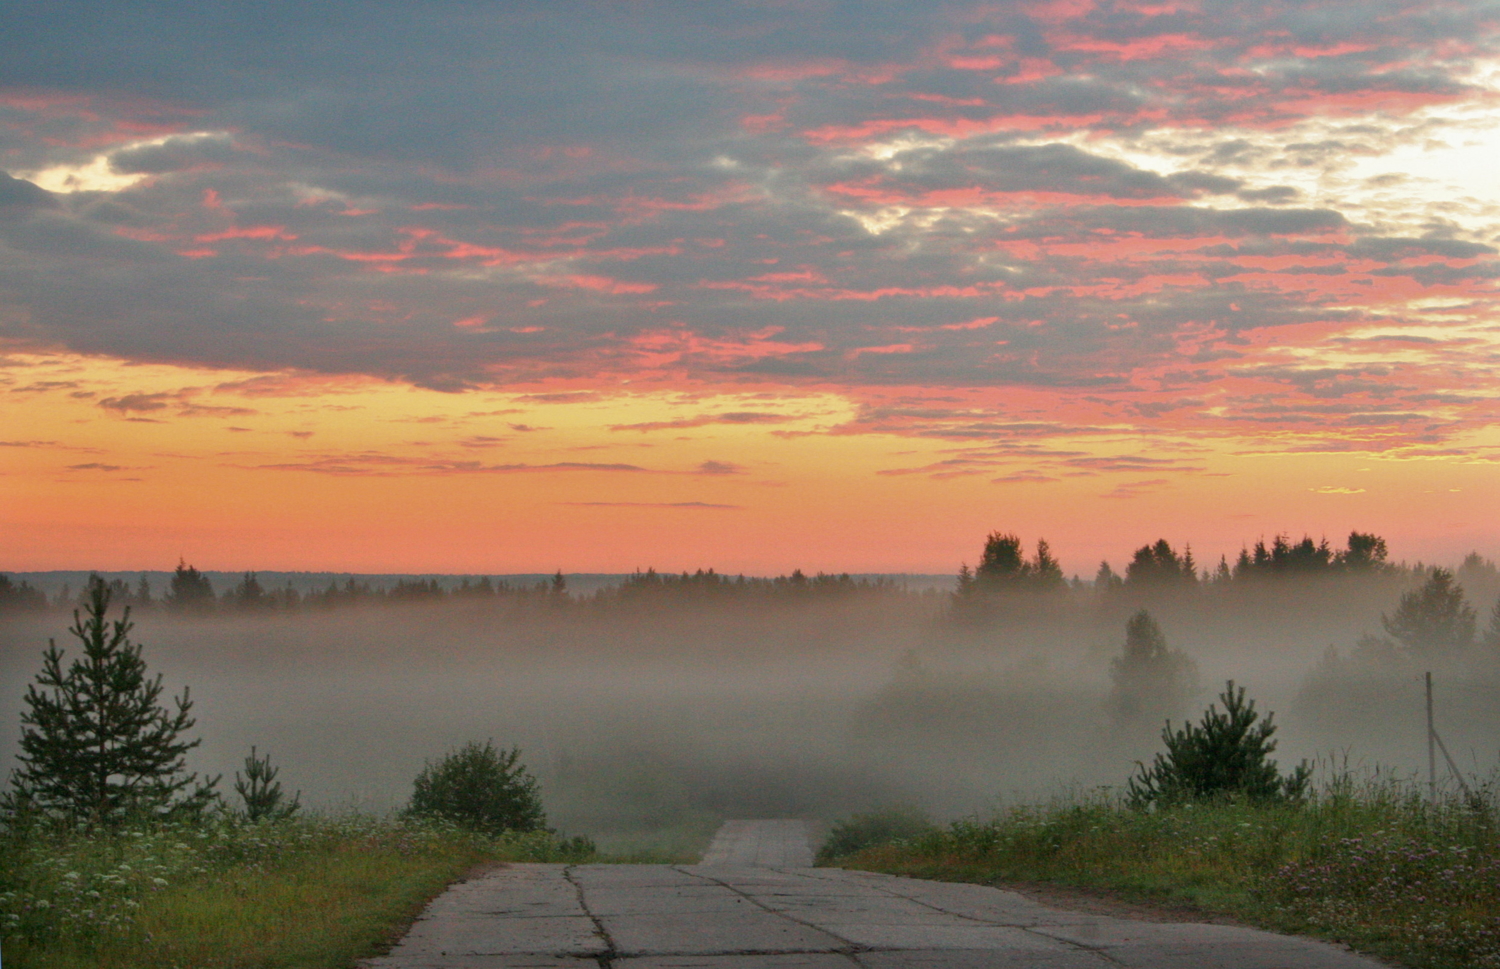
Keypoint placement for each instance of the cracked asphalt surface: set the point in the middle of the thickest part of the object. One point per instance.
(755, 902)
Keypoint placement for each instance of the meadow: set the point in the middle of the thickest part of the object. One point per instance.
(218, 893)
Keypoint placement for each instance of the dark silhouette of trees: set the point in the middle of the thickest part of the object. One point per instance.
(1003, 567)
(1150, 680)
(1490, 639)
(249, 594)
(1002, 564)
(1159, 567)
(97, 745)
(1434, 619)
(706, 584)
(416, 590)
(190, 590)
(1046, 573)
(1283, 557)
(1365, 552)
(20, 595)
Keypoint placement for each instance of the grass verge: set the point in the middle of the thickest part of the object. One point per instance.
(1372, 865)
(311, 892)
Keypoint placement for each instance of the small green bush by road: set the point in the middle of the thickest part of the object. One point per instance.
(1372, 864)
(306, 892)
(480, 788)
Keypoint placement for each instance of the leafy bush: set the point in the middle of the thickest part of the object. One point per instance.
(1226, 755)
(876, 828)
(481, 788)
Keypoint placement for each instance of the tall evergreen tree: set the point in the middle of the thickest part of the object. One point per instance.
(190, 589)
(1002, 564)
(1365, 552)
(1159, 565)
(1046, 573)
(97, 745)
(1150, 680)
(1490, 640)
(1435, 618)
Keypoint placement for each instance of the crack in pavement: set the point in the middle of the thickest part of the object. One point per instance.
(1099, 951)
(850, 947)
(611, 952)
(761, 909)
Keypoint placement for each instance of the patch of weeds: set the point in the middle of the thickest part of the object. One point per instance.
(892, 825)
(1370, 863)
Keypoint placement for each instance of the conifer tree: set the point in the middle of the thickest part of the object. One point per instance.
(1151, 680)
(261, 791)
(97, 745)
(1225, 755)
(1433, 619)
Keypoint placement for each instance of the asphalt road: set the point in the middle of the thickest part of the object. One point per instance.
(755, 902)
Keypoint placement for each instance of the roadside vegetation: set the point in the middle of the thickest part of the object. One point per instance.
(1375, 862)
(311, 891)
(113, 855)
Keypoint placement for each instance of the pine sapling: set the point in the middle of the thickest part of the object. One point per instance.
(261, 791)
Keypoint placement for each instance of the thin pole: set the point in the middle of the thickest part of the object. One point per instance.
(1431, 747)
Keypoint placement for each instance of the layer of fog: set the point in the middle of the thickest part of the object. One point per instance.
(644, 715)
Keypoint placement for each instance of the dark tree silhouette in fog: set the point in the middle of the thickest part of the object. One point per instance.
(1003, 567)
(1159, 566)
(1433, 619)
(190, 589)
(1002, 564)
(1150, 680)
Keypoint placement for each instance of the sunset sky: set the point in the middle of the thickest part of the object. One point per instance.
(515, 286)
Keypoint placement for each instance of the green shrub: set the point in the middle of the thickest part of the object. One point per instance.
(1225, 755)
(480, 788)
(876, 828)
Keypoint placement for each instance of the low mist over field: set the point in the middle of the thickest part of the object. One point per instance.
(650, 704)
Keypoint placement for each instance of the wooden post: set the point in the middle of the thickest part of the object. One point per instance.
(1431, 746)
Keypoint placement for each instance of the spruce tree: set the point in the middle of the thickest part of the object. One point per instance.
(1225, 755)
(261, 791)
(97, 745)
(1150, 678)
(1434, 619)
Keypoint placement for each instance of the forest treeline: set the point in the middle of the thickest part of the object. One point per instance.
(190, 591)
(1005, 575)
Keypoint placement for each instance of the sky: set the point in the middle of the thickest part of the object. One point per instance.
(504, 287)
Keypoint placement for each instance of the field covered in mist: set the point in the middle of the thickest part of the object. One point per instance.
(657, 710)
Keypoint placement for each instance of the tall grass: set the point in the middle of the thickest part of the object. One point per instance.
(1370, 862)
(306, 892)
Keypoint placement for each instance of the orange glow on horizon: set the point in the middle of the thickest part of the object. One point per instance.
(133, 466)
